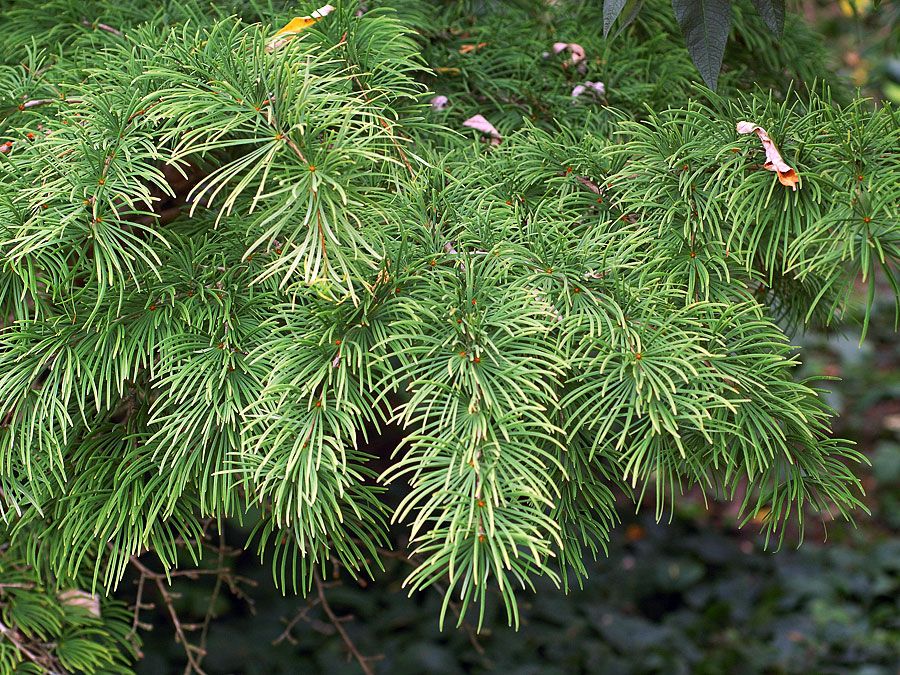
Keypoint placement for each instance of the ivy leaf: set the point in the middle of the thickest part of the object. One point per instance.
(772, 12)
(705, 24)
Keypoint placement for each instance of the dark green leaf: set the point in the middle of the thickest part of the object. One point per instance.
(705, 24)
(772, 12)
(611, 11)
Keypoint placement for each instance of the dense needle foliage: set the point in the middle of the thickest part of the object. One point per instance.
(224, 269)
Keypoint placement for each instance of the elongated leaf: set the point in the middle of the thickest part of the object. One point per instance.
(772, 12)
(705, 24)
(611, 11)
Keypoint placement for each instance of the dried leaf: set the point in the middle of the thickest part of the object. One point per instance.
(468, 49)
(589, 184)
(78, 598)
(774, 161)
(478, 123)
(295, 26)
(440, 102)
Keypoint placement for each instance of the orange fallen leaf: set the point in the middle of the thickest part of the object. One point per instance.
(787, 176)
(295, 26)
(468, 49)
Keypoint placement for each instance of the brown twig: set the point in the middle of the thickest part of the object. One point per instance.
(336, 622)
(43, 659)
(303, 615)
(191, 651)
(102, 26)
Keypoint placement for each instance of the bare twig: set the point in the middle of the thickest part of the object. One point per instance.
(193, 653)
(336, 622)
(102, 26)
(34, 653)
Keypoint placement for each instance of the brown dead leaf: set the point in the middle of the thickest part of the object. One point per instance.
(787, 176)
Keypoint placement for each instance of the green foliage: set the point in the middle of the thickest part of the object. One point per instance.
(226, 269)
(43, 631)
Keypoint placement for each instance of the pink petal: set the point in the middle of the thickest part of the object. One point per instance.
(595, 88)
(576, 50)
(478, 123)
(440, 102)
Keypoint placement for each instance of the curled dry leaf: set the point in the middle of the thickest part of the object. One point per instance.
(469, 48)
(595, 89)
(295, 26)
(78, 598)
(478, 123)
(440, 102)
(774, 161)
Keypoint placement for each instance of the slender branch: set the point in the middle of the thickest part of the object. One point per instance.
(102, 26)
(45, 661)
(336, 622)
(161, 583)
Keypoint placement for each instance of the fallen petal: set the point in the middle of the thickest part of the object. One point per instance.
(479, 123)
(576, 50)
(440, 102)
(597, 89)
